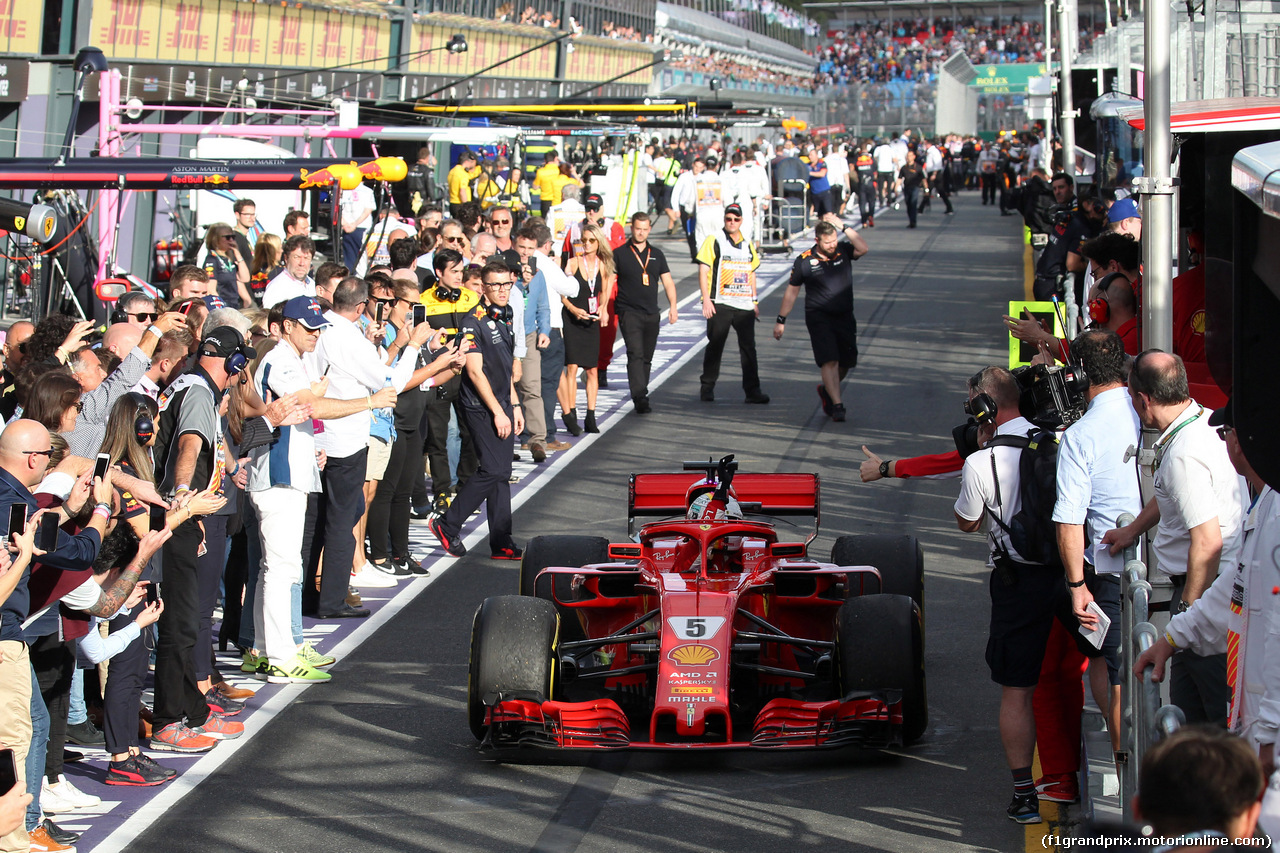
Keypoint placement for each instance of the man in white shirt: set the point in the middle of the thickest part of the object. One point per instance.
(684, 198)
(886, 172)
(295, 279)
(1198, 506)
(1023, 593)
(357, 209)
(838, 176)
(281, 476)
(354, 367)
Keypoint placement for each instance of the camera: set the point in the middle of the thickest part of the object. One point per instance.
(1061, 214)
(966, 438)
(1052, 397)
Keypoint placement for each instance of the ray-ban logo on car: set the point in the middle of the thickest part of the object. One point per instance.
(695, 627)
(693, 654)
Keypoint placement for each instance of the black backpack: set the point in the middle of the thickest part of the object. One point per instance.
(1032, 530)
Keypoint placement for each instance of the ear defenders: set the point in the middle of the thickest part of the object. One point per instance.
(499, 312)
(118, 316)
(236, 362)
(982, 408)
(144, 428)
(447, 294)
(1100, 308)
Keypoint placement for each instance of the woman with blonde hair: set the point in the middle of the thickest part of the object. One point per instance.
(584, 313)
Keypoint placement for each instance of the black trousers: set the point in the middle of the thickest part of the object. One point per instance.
(233, 581)
(640, 335)
(177, 694)
(743, 322)
(490, 485)
(866, 200)
(988, 188)
(436, 443)
(912, 198)
(686, 222)
(53, 660)
(389, 512)
(209, 573)
(341, 503)
(122, 696)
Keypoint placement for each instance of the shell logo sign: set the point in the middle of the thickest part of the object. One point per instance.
(693, 654)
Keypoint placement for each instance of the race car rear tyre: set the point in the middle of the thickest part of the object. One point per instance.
(513, 652)
(899, 559)
(543, 551)
(879, 645)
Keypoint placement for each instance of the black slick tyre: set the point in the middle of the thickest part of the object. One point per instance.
(879, 647)
(899, 559)
(513, 653)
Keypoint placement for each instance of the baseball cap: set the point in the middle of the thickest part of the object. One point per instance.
(735, 209)
(1125, 208)
(214, 302)
(306, 311)
(1224, 416)
(223, 341)
(593, 202)
(711, 161)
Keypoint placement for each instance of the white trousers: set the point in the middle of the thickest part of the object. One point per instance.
(281, 514)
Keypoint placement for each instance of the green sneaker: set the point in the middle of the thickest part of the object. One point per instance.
(298, 671)
(320, 661)
(249, 661)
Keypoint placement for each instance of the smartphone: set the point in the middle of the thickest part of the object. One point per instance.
(186, 309)
(153, 592)
(419, 314)
(382, 306)
(101, 465)
(48, 537)
(8, 771)
(158, 519)
(17, 518)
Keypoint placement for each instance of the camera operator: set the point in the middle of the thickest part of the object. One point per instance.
(1072, 226)
(1096, 485)
(1023, 593)
(1039, 197)
(1198, 506)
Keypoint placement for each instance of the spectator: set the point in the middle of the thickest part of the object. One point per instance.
(584, 314)
(226, 266)
(135, 307)
(295, 277)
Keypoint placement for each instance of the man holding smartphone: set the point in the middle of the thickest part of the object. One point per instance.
(493, 413)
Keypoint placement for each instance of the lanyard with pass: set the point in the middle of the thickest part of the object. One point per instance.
(644, 265)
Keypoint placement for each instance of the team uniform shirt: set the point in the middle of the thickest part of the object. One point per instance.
(733, 270)
(865, 169)
(284, 287)
(561, 216)
(460, 183)
(1095, 484)
(978, 487)
(912, 177)
(542, 182)
(837, 170)
(190, 406)
(572, 246)
(640, 274)
(495, 341)
(708, 194)
(353, 202)
(884, 158)
(290, 460)
(988, 161)
(355, 369)
(1195, 482)
(827, 282)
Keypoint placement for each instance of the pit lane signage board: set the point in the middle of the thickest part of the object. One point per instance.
(1021, 353)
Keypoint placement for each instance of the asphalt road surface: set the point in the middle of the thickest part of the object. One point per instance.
(382, 759)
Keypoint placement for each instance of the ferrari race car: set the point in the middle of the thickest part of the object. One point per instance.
(706, 631)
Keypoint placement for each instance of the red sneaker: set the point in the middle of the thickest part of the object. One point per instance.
(219, 728)
(1059, 788)
(178, 737)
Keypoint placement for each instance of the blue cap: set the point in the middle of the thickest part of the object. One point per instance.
(306, 311)
(1125, 208)
(213, 302)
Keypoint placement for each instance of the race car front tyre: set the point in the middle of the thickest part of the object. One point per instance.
(879, 646)
(513, 654)
(899, 559)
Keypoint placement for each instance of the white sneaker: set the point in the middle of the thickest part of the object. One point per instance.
(370, 578)
(80, 798)
(54, 798)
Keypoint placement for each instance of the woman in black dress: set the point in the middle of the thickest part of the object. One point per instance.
(584, 314)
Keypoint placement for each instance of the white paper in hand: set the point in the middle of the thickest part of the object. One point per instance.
(1104, 563)
(1097, 635)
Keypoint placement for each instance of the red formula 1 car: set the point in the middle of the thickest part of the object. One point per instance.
(706, 632)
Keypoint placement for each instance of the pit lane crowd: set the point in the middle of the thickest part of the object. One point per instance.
(274, 452)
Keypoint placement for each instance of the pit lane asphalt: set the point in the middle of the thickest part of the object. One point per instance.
(381, 758)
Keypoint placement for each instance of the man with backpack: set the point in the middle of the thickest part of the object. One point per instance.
(1095, 485)
(1026, 579)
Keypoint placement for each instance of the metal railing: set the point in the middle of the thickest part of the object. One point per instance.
(1144, 721)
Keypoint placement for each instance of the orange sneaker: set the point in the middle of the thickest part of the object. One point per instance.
(220, 728)
(178, 737)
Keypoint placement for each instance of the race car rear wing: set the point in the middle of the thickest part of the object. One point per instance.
(779, 495)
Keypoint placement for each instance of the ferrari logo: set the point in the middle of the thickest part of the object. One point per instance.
(693, 654)
(20, 223)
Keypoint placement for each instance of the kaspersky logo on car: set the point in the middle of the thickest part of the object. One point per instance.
(693, 654)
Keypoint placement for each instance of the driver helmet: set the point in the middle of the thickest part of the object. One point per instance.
(732, 509)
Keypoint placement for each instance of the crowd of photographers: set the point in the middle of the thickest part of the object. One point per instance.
(1047, 469)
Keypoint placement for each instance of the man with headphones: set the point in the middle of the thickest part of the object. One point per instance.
(493, 413)
(189, 458)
